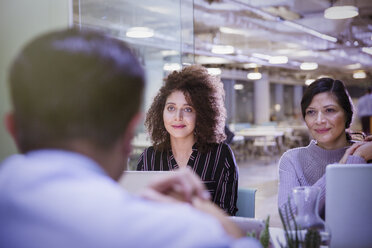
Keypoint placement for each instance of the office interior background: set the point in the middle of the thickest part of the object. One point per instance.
(264, 51)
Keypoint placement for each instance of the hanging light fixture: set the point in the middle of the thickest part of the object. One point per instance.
(223, 49)
(214, 71)
(308, 66)
(341, 12)
(360, 74)
(278, 60)
(256, 75)
(140, 32)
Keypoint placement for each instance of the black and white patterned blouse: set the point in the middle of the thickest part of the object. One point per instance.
(216, 168)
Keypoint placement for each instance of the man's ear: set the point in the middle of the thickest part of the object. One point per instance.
(10, 126)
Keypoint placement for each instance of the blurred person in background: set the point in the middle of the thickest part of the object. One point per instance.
(365, 111)
(186, 123)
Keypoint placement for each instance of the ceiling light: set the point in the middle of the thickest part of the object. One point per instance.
(324, 76)
(227, 30)
(222, 49)
(277, 107)
(254, 75)
(278, 60)
(214, 71)
(309, 81)
(251, 65)
(359, 74)
(171, 67)
(166, 53)
(341, 12)
(367, 50)
(307, 66)
(353, 66)
(238, 86)
(140, 32)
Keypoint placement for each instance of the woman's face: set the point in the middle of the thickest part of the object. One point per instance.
(326, 119)
(179, 116)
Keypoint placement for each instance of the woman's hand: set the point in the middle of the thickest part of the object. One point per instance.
(362, 149)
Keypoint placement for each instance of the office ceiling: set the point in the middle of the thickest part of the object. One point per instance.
(293, 28)
(255, 28)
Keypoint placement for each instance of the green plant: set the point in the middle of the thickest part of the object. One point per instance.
(312, 238)
(264, 237)
(292, 231)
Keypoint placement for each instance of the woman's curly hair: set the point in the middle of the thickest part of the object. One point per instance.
(202, 91)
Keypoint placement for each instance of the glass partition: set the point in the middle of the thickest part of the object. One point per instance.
(159, 31)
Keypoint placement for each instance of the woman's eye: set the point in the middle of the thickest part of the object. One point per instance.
(170, 108)
(310, 112)
(188, 110)
(330, 110)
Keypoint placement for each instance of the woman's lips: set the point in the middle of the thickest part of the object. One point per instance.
(323, 130)
(178, 126)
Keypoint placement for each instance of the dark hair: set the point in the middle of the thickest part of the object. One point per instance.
(73, 84)
(336, 88)
(205, 93)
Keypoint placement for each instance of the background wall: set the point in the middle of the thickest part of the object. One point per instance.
(21, 20)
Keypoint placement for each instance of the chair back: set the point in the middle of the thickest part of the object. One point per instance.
(246, 202)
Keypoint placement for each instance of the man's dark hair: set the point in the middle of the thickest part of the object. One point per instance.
(73, 84)
(336, 88)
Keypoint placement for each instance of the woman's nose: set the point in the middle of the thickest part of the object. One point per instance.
(179, 115)
(320, 117)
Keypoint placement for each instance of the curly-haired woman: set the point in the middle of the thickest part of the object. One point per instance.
(186, 124)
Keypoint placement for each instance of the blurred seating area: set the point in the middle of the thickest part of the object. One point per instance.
(266, 141)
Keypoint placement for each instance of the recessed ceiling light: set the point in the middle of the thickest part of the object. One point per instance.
(228, 30)
(254, 75)
(353, 66)
(170, 53)
(307, 66)
(140, 32)
(324, 76)
(277, 107)
(278, 60)
(214, 71)
(222, 49)
(367, 50)
(341, 12)
(171, 67)
(360, 74)
(251, 65)
(238, 86)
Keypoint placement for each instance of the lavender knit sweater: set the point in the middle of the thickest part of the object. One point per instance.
(306, 166)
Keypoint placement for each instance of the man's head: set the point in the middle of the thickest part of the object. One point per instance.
(74, 85)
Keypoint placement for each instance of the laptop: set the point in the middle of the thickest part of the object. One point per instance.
(135, 181)
(349, 204)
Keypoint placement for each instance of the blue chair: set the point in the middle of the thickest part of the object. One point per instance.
(246, 202)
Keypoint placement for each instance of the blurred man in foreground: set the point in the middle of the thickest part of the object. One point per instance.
(76, 97)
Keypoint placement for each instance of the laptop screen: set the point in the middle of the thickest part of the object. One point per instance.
(135, 181)
(349, 204)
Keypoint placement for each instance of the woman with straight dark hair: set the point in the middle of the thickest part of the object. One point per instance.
(186, 124)
(328, 112)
